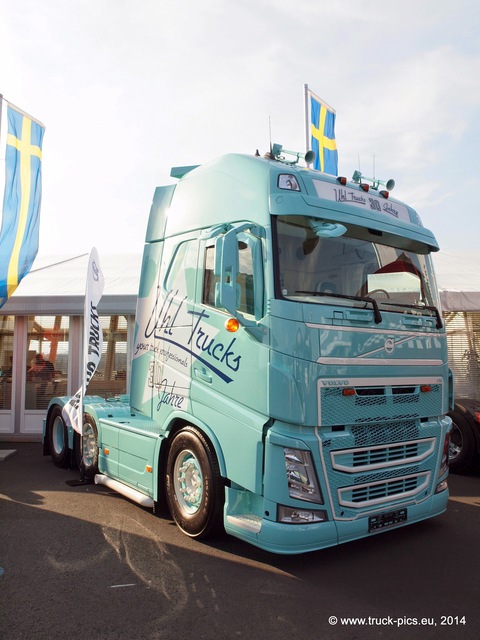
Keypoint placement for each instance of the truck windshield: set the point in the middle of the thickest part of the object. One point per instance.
(354, 268)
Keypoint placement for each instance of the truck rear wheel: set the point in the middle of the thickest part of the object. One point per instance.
(57, 435)
(462, 444)
(194, 487)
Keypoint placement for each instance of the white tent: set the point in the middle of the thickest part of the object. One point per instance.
(458, 279)
(56, 285)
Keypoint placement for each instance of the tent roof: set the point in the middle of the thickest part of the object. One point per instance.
(57, 285)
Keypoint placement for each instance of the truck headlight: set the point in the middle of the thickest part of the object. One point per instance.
(301, 476)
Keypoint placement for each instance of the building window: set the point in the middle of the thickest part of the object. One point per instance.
(110, 378)
(47, 360)
(6, 361)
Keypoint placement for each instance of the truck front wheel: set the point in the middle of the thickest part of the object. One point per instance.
(194, 487)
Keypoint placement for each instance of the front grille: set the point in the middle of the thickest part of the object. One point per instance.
(369, 466)
(376, 434)
(373, 493)
(395, 453)
(376, 457)
(369, 405)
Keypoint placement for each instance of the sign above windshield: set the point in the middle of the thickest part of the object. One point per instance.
(363, 199)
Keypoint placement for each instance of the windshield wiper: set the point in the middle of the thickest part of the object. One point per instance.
(421, 307)
(377, 316)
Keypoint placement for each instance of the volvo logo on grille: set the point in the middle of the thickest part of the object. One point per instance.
(389, 345)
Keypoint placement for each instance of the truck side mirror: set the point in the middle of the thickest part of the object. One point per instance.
(239, 269)
(226, 269)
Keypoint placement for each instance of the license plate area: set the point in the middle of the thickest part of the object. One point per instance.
(384, 520)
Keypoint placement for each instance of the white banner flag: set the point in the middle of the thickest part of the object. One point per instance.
(92, 341)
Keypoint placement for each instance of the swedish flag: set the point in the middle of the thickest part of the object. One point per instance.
(323, 143)
(19, 233)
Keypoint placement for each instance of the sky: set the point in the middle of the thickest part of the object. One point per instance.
(129, 88)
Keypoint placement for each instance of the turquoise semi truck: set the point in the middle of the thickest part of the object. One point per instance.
(289, 381)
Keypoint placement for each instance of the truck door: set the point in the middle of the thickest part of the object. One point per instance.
(230, 352)
(170, 374)
(162, 360)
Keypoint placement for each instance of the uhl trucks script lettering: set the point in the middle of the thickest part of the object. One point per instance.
(199, 342)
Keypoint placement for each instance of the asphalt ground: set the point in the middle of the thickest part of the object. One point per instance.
(81, 562)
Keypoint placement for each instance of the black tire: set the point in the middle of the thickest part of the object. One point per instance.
(57, 435)
(87, 448)
(194, 487)
(462, 444)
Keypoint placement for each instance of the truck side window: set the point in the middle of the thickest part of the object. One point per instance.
(245, 279)
(183, 268)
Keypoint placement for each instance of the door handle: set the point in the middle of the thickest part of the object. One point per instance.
(202, 374)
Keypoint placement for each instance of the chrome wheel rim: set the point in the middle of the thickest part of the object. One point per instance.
(188, 482)
(89, 445)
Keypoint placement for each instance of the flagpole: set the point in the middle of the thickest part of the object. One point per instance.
(307, 133)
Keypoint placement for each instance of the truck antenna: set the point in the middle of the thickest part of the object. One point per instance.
(269, 155)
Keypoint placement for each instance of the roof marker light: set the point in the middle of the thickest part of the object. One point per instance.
(342, 180)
